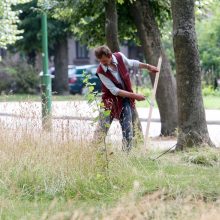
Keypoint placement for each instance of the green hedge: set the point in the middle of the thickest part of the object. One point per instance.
(18, 77)
(210, 91)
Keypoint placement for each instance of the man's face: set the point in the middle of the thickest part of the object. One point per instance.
(105, 60)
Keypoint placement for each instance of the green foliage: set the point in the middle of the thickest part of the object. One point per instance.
(102, 161)
(8, 22)
(162, 11)
(46, 5)
(18, 78)
(209, 91)
(92, 97)
(30, 22)
(145, 91)
(208, 31)
(87, 18)
(202, 8)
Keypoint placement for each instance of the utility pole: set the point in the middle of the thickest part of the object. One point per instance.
(46, 78)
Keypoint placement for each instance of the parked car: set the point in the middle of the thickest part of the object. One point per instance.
(51, 71)
(76, 78)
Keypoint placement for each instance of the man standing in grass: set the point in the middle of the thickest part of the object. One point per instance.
(117, 93)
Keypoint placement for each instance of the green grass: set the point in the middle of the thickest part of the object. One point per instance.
(37, 98)
(41, 176)
(210, 102)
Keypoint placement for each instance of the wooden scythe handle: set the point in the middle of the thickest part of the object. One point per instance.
(152, 102)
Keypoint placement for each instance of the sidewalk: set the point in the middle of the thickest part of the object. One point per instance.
(80, 109)
(79, 115)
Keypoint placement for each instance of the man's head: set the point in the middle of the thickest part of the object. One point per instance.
(103, 54)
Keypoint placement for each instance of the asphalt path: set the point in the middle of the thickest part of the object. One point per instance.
(75, 120)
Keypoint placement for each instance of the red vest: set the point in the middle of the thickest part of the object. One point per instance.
(112, 102)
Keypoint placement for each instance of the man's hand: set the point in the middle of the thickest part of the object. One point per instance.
(139, 97)
(152, 69)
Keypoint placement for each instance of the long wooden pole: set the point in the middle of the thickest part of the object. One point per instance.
(152, 102)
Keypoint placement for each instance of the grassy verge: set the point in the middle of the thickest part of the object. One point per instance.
(37, 98)
(210, 102)
(43, 177)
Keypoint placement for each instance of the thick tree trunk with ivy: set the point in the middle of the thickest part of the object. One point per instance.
(111, 30)
(151, 43)
(60, 82)
(191, 114)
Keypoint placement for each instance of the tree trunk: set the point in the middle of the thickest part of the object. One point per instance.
(151, 43)
(111, 25)
(111, 30)
(191, 114)
(60, 82)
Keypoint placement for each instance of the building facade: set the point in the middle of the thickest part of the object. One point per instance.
(79, 54)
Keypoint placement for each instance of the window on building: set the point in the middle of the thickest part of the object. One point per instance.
(81, 51)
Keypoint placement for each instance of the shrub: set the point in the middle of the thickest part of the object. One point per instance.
(18, 77)
(5, 81)
(209, 90)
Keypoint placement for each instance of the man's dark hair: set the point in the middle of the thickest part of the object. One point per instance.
(102, 50)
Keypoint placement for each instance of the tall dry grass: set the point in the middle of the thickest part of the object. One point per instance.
(67, 178)
(46, 164)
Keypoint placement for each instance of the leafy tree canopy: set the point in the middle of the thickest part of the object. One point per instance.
(208, 33)
(30, 22)
(8, 22)
(208, 29)
(87, 19)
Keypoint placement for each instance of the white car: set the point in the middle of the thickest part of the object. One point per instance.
(51, 71)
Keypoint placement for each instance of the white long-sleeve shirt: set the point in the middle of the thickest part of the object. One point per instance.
(107, 82)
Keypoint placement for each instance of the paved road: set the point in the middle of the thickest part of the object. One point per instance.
(27, 116)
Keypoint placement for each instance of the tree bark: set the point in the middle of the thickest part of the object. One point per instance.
(149, 36)
(191, 114)
(111, 30)
(111, 25)
(60, 82)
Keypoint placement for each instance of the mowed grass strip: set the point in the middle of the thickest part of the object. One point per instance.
(43, 175)
(37, 98)
(210, 102)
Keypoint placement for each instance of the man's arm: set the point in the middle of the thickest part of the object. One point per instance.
(119, 92)
(151, 68)
(129, 63)
(132, 95)
(137, 64)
